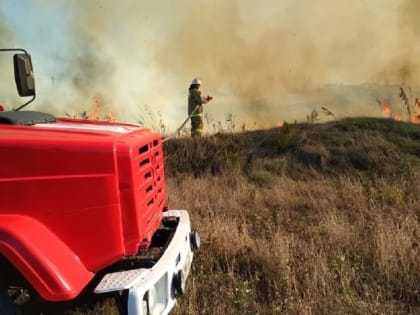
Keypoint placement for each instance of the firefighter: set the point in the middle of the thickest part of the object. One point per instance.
(195, 107)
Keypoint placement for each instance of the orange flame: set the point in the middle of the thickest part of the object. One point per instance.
(110, 117)
(415, 119)
(386, 110)
(280, 123)
(94, 113)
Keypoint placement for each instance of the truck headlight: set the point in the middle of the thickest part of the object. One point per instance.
(157, 298)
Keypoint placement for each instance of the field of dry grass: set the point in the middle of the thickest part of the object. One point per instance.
(304, 219)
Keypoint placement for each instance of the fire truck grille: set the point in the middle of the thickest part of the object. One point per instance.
(150, 179)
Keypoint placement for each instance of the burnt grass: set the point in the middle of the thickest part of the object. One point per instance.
(302, 219)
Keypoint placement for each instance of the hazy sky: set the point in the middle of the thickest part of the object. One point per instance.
(262, 61)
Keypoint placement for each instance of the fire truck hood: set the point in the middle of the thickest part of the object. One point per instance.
(88, 127)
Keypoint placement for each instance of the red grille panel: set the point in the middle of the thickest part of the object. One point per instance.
(146, 192)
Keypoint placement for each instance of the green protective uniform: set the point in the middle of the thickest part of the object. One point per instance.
(195, 99)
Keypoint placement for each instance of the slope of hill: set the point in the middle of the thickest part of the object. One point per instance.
(303, 219)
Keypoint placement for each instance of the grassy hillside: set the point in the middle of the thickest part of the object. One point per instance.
(303, 219)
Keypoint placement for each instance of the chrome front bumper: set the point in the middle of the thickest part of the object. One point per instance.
(154, 290)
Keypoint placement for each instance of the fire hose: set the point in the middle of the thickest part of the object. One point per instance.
(182, 125)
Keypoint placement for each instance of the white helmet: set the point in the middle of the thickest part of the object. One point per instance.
(196, 81)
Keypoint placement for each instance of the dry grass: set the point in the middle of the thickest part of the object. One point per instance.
(304, 247)
(288, 236)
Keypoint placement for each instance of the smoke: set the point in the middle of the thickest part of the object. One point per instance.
(7, 82)
(272, 56)
(275, 60)
(107, 57)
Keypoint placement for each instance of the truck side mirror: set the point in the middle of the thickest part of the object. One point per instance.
(24, 75)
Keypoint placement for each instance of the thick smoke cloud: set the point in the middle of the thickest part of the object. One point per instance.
(275, 60)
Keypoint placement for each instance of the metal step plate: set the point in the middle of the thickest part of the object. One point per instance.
(120, 280)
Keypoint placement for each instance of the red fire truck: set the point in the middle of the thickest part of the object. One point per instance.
(83, 209)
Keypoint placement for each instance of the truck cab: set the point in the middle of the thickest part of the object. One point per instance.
(83, 205)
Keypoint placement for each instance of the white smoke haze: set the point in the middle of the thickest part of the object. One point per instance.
(7, 82)
(263, 62)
